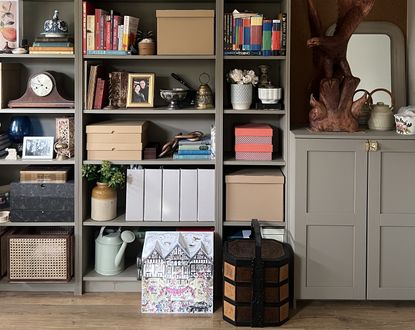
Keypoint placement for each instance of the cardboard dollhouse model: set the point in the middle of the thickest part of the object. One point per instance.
(177, 272)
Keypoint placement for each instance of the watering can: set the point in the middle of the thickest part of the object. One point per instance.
(110, 248)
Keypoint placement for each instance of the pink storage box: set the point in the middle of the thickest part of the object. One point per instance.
(253, 156)
(253, 130)
(253, 139)
(253, 148)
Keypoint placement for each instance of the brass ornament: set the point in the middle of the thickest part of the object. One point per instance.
(204, 95)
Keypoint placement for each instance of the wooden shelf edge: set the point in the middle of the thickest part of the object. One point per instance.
(248, 223)
(129, 274)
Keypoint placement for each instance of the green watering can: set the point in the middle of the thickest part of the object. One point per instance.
(110, 248)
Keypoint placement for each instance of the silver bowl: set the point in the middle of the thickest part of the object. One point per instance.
(174, 96)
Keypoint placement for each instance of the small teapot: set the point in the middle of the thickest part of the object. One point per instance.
(110, 248)
(381, 116)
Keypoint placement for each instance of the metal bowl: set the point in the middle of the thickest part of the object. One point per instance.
(174, 96)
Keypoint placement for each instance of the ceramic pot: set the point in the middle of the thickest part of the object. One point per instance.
(269, 95)
(381, 118)
(241, 96)
(103, 202)
(19, 127)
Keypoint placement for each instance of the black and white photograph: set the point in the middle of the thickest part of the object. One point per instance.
(140, 90)
(38, 147)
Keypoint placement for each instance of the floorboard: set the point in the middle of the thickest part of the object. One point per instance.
(120, 311)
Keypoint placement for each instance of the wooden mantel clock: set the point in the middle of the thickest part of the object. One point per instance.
(42, 92)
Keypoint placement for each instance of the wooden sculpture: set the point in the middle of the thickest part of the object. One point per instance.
(333, 85)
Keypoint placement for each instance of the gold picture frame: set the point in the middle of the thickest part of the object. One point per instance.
(140, 90)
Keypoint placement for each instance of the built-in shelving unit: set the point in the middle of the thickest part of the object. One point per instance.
(37, 224)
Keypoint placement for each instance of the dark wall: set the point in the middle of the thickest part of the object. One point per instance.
(301, 65)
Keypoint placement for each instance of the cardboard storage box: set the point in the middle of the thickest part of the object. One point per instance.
(116, 140)
(185, 32)
(255, 194)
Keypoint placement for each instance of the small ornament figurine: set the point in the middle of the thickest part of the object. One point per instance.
(264, 80)
(204, 95)
(12, 154)
(55, 27)
(61, 150)
(145, 44)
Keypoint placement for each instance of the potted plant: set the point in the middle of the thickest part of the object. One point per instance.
(241, 88)
(104, 195)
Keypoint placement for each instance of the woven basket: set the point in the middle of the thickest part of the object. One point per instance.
(44, 257)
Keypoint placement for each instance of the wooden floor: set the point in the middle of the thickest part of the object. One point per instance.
(120, 311)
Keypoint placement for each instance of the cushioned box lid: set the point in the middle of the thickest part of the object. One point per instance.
(253, 130)
(184, 13)
(117, 127)
(256, 176)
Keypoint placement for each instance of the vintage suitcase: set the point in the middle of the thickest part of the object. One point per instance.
(45, 174)
(46, 202)
(258, 277)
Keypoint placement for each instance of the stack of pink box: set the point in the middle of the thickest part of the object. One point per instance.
(253, 142)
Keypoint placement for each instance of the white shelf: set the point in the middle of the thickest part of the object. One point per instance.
(25, 162)
(153, 111)
(158, 162)
(56, 111)
(128, 275)
(120, 222)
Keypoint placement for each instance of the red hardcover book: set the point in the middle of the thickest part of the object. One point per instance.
(87, 9)
(117, 21)
(276, 36)
(107, 33)
(99, 28)
(99, 94)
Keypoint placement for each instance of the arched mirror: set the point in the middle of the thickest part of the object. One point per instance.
(376, 54)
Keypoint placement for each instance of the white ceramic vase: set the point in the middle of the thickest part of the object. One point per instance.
(241, 96)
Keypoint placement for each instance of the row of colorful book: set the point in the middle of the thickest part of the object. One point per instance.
(97, 91)
(52, 45)
(106, 32)
(253, 34)
(194, 150)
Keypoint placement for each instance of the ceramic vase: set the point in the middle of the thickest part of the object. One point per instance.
(103, 202)
(241, 96)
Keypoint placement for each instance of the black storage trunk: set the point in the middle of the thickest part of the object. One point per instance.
(42, 202)
(258, 281)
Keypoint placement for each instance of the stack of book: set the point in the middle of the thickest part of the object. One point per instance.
(106, 32)
(194, 150)
(253, 34)
(4, 143)
(52, 45)
(253, 142)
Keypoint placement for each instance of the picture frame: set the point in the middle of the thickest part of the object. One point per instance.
(11, 18)
(140, 90)
(38, 147)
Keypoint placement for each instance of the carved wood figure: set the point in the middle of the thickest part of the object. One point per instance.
(333, 84)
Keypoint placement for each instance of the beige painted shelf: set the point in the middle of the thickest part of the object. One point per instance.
(25, 162)
(254, 57)
(149, 57)
(248, 224)
(128, 275)
(37, 111)
(276, 161)
(152, 111)
(35, 56)
(37, 224)
(254, 112)
(54, 286)
(158, 161)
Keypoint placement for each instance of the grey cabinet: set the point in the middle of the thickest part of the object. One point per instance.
(354, 217)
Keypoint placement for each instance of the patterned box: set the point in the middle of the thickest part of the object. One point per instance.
(253, 156)
(65, 132)
(253, 148)
(253, 139)
(253, 130)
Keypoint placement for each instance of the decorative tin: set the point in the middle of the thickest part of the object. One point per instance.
(257, 281)
(65, 132)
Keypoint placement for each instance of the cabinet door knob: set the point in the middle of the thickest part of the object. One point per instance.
(372, 146)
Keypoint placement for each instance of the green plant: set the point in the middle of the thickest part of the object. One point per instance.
(107, 173)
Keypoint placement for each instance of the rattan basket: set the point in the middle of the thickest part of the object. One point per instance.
(41, 257)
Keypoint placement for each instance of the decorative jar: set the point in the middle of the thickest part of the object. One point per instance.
(103, 202)
(241, 96)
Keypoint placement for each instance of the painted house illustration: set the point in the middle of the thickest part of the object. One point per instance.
(178, 260)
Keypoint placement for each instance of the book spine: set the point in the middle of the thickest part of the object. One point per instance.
(190, 157)
(53, 44)
(111, 28)
(194, 152)
(126, 32)
(87, 9)
(115, 32)
(241, 34)
(99, 93)
(225, 40)
(247, 33)
(195, 147)
(120, 36)
(243, 52)
(234, 33)
(284, 29)
(107, 44)
(276, 37)
(51, 49)
(102, 31)
(107, 52)
(256, 33)
(97, 28)
(51, 52)
(266, 37)
(90, 33)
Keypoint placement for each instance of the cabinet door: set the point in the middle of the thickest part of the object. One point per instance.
(391, 221)
(330, 218)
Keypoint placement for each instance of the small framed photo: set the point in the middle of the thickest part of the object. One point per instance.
(140, 90)
(38, 147)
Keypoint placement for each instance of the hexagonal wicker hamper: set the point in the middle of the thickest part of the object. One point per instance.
(44, 256)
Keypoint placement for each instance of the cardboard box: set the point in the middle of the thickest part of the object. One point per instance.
(152, 194)
(188, 195)
(205, 195)
(114, 155)
(134, 210)
(255, 194)
(117, 127)
(185, 32)
(171, 195)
